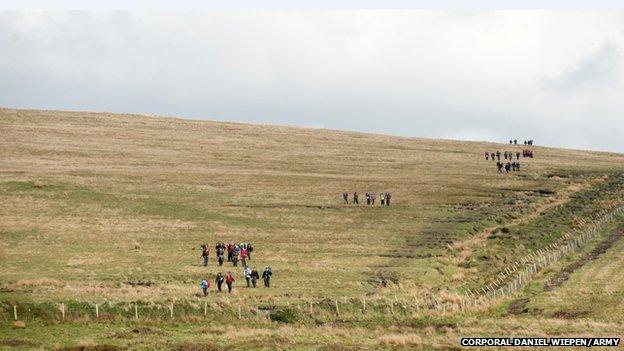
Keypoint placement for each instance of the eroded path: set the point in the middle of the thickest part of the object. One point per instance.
(561, 198)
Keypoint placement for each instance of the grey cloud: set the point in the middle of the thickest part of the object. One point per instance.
(598, 69)
(419, 73)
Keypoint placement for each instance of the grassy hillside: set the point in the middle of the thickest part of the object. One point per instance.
(91, 202)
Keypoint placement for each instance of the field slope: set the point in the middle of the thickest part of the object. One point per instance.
(111, 209)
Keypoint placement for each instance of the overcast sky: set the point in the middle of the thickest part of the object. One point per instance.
(553, 76)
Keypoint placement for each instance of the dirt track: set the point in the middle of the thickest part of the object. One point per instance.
(518, 306)
(565, 274)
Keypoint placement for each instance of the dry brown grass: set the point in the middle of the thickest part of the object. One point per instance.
(117, 197)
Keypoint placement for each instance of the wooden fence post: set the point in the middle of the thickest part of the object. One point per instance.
(337, 310)
(63, 310)
(205, 308)
(136, 312)
(97, 311)
(171, 310)
(15, 312)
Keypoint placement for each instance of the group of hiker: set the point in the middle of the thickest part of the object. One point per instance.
(235, 252)
(515, 142)
(507, 155)
(370, 198)
(509, 166)
(251, 277)
(526, 142)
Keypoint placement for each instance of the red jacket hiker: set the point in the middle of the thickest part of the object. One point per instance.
(228, 281)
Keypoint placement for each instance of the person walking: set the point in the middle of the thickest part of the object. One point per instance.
(368, 198)
(373, 197)
(229, 281)
(345, 197)
(204, 285)
(498, 154)
(230, 250)
(235, 253)
(220, 251)
(247, 273)
(219, 281)
(205, 254)
(355, 198)
(254, 276)
(244, 254)
(266, 276)
(382, 197)
(388, 199)
(250, 249)
(487, 155)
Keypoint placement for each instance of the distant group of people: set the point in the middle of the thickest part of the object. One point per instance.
(251, 277)
(515, 142)
(370, 198)
(235, 252)
(507, 155)
(509, 166)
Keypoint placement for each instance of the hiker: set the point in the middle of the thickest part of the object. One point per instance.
(487, 156)
(518, 166)
(219, 280)
(355, 198)
(220, 250)
(254, 276)
(525, 142)
(373, 197)
(498, 155)
(382, 197)
(507, 167)
(204, 285)
(266, 277)
(345, 197)
(247, 273)
(244, 253)
(515, 141)
(230, 251)
(499, 166)
(249, 250)
(368, 198)
(388, 199)
(493, 156)
(229, 281)
(506, 154)
(517, 155)
(510, 141)
(235, 253)
(205, 253)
